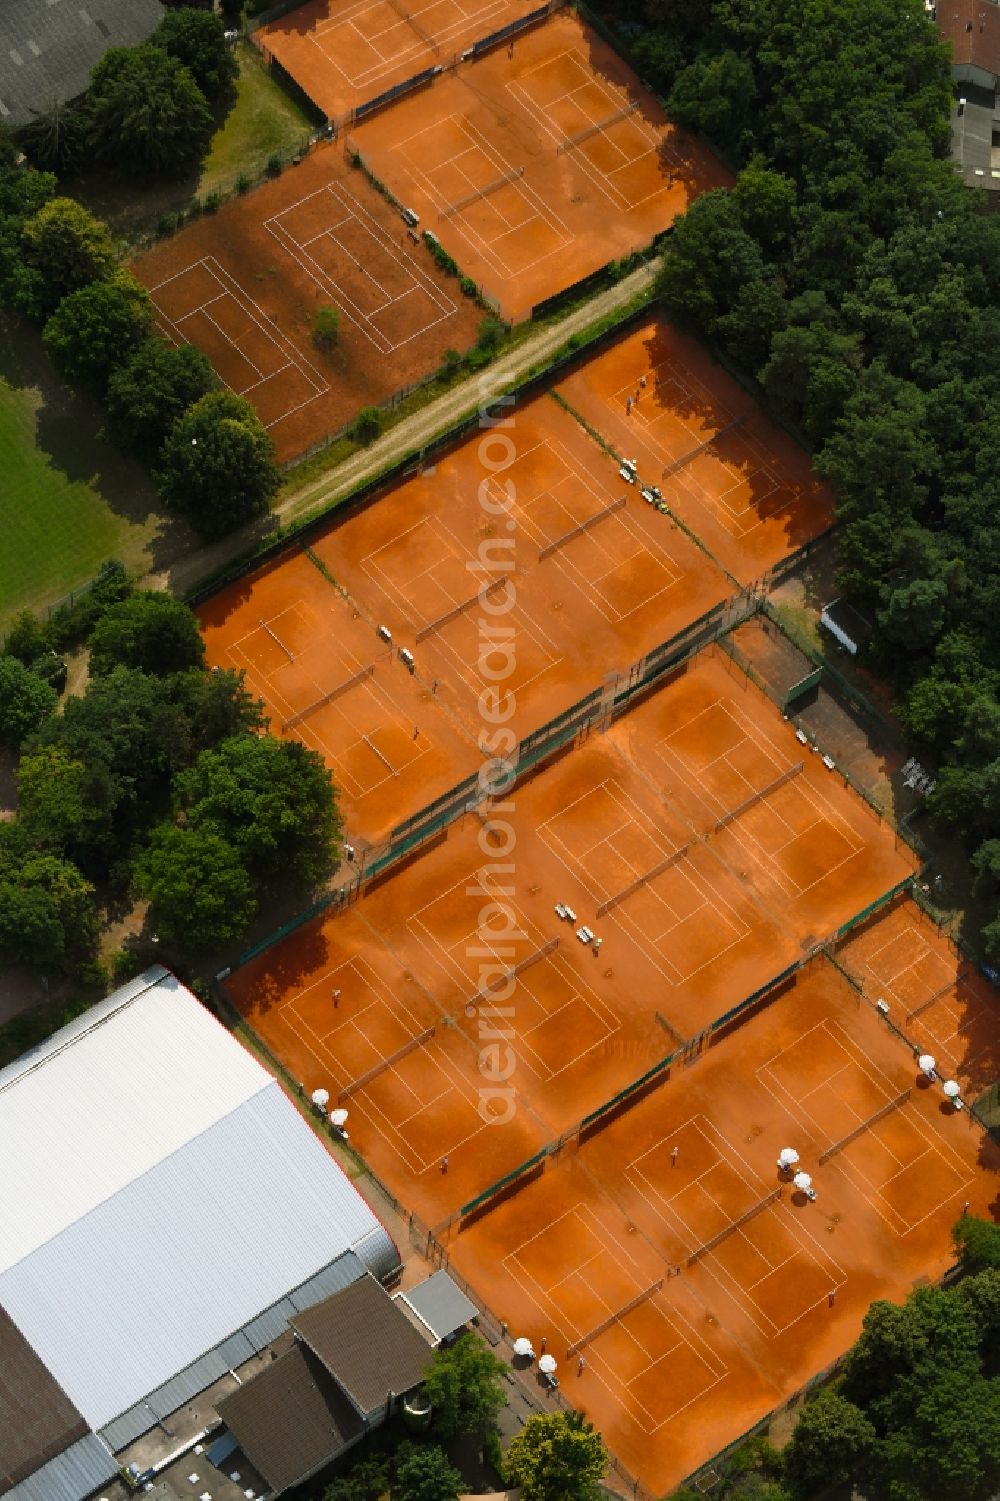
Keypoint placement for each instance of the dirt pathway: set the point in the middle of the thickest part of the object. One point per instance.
(413, 432)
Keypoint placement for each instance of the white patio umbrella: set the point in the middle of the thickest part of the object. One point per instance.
(952, 1088)
(787, 1157)
(522, 1346)
(547, 1364)
(802, 1180)
(321, 1098)
(927, 1063)
(338, 1117)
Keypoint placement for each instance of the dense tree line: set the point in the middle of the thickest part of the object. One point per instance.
(212, 458)
(156, 781)
(856, 278)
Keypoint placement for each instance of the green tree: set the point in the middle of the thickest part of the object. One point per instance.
(150, 630)
(199, 891)
(424, 1473)
(47, 916)
(197, 39)
(465, 1384)
(217, 464)
(367, 1480)
(96, 328)
(557, 1456)
(275, 804)
(832, 1444)
(54, 800)
(68, 247)
(977, 1242)
(55, 139)
(146, 113)
(326, 327)
(27, 639)
(25, 700)
(152, 389)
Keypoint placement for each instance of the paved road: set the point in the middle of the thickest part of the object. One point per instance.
(413, 432)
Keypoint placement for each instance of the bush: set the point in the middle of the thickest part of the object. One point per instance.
(27, 638)
(194, 209)
(491, 333)
(72, 622)
(467, 287)
(212, 202)
(274, 165)
(326, 327)
(243, 183)
(25, 700)
(167, 224)
(451, 363)
(366, 426)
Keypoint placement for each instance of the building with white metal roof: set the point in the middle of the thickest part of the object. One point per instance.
(167, 1209)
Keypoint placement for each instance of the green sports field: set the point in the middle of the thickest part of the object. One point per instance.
(68, 500)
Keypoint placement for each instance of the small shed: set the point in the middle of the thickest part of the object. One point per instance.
(438, 1307)
(846, 625)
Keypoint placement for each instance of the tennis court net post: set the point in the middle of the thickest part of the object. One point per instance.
(643, 880)
(727, 1230)
(277, 640)
(866, 1125)
(581, 526)
(596, 127)
(756, 797)
(327, 698)
(459, 609)
(613, 1318)
(365, 1079)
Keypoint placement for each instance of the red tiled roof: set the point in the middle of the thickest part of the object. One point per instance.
(973, 29)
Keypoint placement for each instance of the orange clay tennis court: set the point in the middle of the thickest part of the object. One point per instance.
(538, 168)
(580, 574)
(329, 681)
(244, 285)
(742, 485)
(700, 1286)
(686, 936)
(935, 996)
(346, 52)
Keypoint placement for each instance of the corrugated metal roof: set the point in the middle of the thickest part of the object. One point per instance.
(48, 47)
(128, 1427)
(77, 1472)
(108, 1098)
(332, 1279)
(440, 1305)
(203, 1243)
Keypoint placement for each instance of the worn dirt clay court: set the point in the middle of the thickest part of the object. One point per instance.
(741, 483)
(537, 168)
(244, 285)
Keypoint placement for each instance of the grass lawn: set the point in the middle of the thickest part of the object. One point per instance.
(68, 500)
(262, 121)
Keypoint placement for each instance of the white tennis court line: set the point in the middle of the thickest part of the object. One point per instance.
(390, 60)
(792, 1226)
(498, 166)
(266, 325)
(327, 283)
(795, 1100)
(598, 1362)
(392, 718)
(654, 145)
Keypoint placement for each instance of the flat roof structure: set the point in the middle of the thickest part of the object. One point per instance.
(441, 1307)
(168, 1213)
(48, 48)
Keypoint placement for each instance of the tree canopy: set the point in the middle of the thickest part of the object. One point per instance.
(465, 1384)
(67, 246)
(25, 700)
(197, 39)
(557, 1456)
(151, 389)
(217, 464)
(201, 895)
(146, 114)
(94, 329)
(150, 630)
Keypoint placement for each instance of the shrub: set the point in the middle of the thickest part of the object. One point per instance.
(326, 327)
(366, 426)
(467, 287)
(212, 202)
(451, 363)
(243, 183)
(274, 165)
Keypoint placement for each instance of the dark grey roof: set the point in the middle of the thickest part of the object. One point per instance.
(48, 47)
(972, 125)
(366, 1343)
(77, 1472)
(291, 1419)
(439, 1305)
(37, 1419)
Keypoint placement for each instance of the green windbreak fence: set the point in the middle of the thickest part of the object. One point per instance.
(906, 885)
(591, 1121)
(803, 686)
(728, 1017)
(506, 1181)
(297, 921)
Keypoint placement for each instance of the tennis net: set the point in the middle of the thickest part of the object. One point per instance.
(692, 453)
(596, 127)
(613, 1318)
(727, 1230)
(422, 33)
(327, 698)
(756, 797)
(485, 991)
(931, 999)
(581, 526)
(643, 880)
(865, 1125)
(493, 186)
(365, 1079)
(459, 609)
